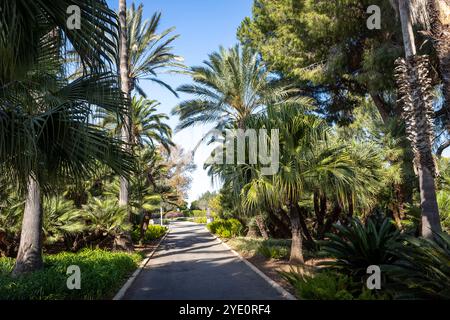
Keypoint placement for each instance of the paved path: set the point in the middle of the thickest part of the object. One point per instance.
(191, 264)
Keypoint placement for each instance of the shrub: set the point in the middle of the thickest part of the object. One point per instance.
(153, 232)
(173, 215)
(328, 286)
(200, 220)
(226, 228)
(102, 274)
(199, 213)
(422, 269)
(357, 246)
(274, 252)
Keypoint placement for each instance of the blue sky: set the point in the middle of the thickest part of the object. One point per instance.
(203, 26)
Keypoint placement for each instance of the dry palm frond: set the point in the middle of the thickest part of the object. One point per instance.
(415, 93)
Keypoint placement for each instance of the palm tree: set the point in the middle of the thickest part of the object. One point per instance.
(308, 163)
(416, 99)
(125, 85)
(147, 126)
(232, 85)
(150, 52)
(143, 54)
(45, 132)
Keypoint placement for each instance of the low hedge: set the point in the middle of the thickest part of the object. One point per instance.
(153, 232)
(102, 275)
(226, 228)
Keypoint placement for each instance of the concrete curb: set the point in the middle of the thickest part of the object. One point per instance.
(119, 295)
(272, 283)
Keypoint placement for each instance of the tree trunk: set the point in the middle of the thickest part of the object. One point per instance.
(431, 221)
(125, 87)
(302, 214)
(252, 232)
(417, 103)
(29, 257)
(259, 219)
(281, 228)
(332, 219)
(297, 241)
(144, 225)
(320, 208)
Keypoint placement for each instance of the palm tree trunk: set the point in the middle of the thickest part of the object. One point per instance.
(259, 219)
(297, 241)
(125, 87)
(417, 108)
(29, 257)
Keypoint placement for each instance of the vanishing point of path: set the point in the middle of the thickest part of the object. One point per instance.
(191, 264)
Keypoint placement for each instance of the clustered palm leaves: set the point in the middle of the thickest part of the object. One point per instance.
(150, 52)
(232, 85)
(148, 128)
(311, 165)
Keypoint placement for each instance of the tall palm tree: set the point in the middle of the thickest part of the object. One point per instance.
(144, 53)
(416, 100)
(150, 51)
(125, 85)
(232, 85)
(46, 134)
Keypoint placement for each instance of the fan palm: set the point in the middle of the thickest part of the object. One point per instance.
(232, 85)
(46, 133)
(307, 162)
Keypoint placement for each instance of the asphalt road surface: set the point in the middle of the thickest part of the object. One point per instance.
(191, 264)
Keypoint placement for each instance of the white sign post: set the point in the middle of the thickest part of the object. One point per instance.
(161, 214)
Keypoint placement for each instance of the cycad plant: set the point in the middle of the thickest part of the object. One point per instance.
(61, 220)
(105, 218)
(358, 245)
(422, 269)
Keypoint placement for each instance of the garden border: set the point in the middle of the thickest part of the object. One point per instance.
(121, 293)
(271, 282)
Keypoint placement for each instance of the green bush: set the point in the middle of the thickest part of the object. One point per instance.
(199, 213)
(153, 232)
(102, 274)
(274, 252)
(226, 228)
(328, 286)
(200, 220)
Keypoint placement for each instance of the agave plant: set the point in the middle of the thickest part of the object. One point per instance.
(356, 246)
(422, 269)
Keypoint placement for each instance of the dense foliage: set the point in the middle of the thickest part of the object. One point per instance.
(102, 274)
